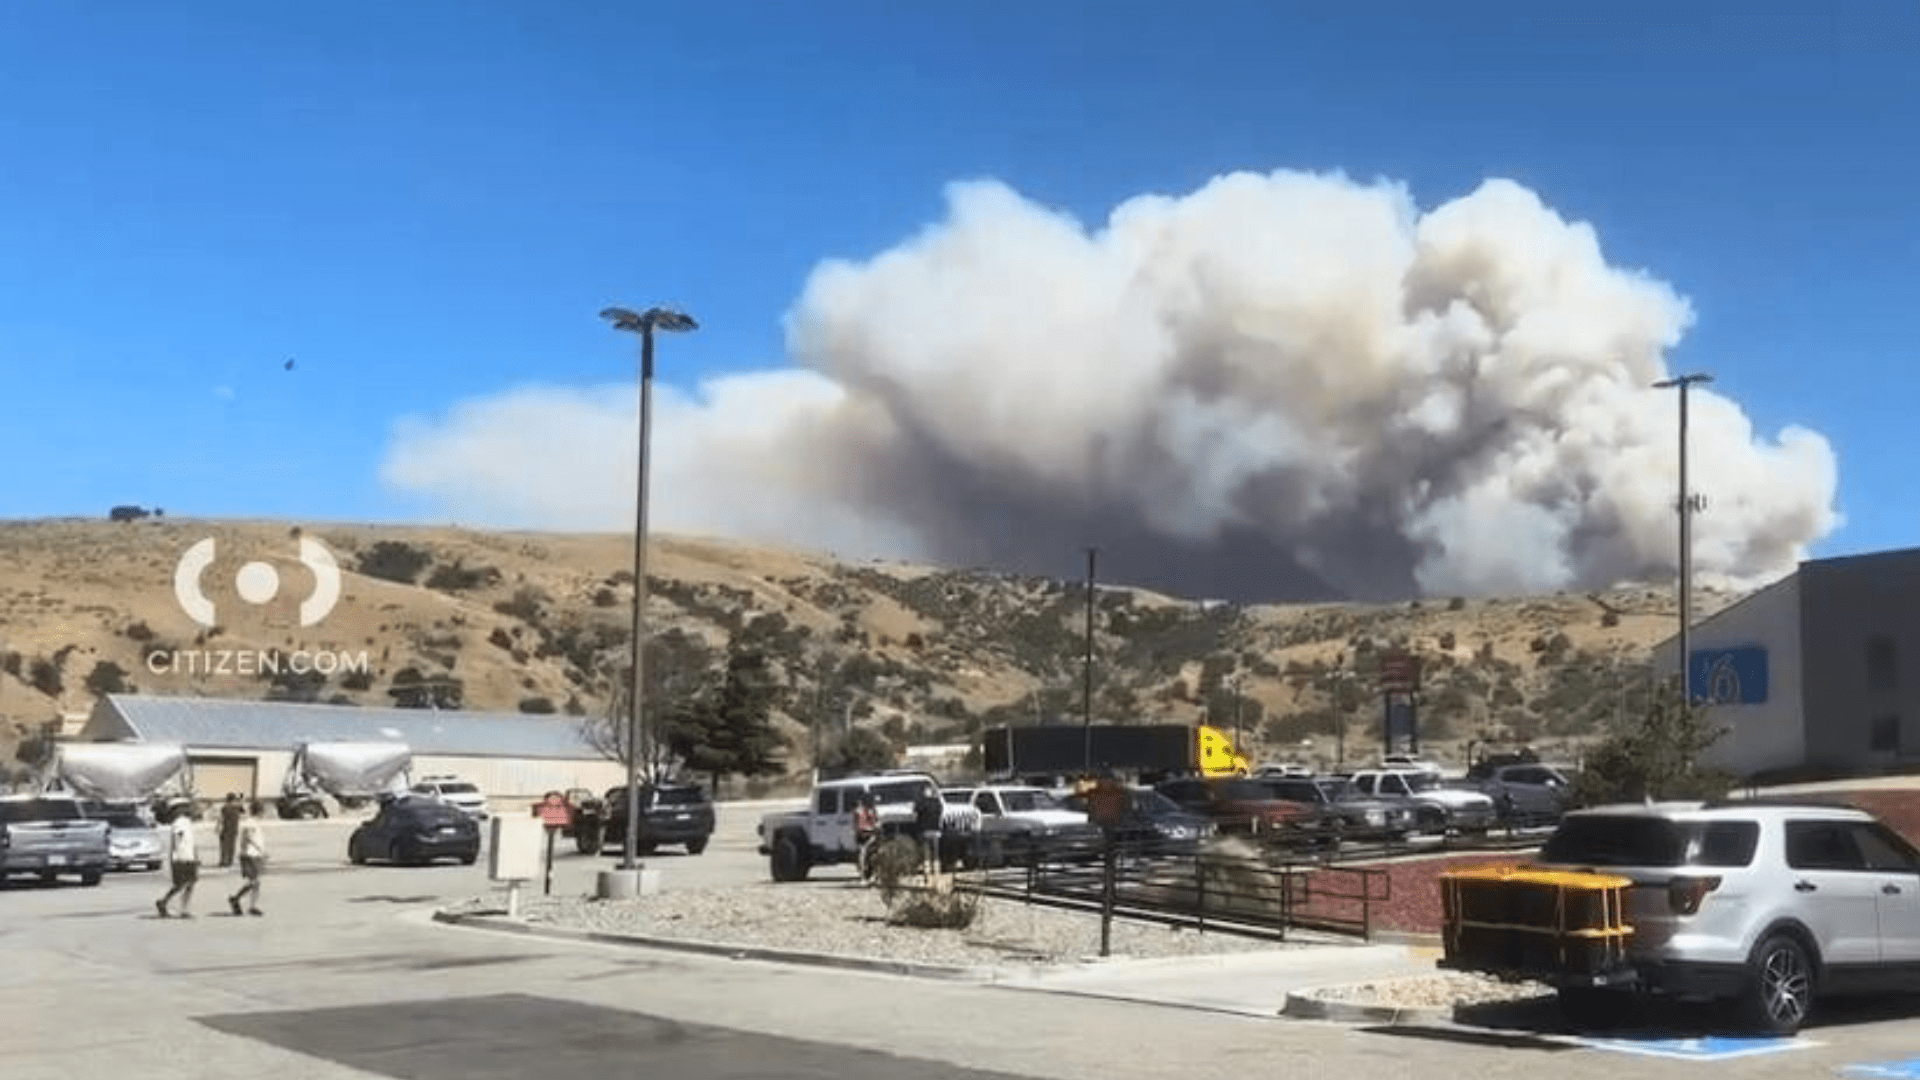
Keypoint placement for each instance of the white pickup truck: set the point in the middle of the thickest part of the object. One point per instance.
(1018, 823)
(1437, 807)
(821, 833)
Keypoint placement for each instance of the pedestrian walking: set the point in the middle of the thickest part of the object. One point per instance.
(183, 858)
(253, 861)
(231, 812)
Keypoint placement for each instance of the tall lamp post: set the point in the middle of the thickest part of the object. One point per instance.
(1683, 383)
(1086, 704)
(644, 324)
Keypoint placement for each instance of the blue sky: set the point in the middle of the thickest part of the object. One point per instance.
(428, 202)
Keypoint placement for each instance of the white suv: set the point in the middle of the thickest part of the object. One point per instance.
(455, 792)
(1762, 903)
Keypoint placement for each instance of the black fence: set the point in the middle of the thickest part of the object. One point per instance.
(1241, 889)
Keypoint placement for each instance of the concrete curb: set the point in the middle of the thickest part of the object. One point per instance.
(499, 923)
(1396, 937)
(1303, 1005)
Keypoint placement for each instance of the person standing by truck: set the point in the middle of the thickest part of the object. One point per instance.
(183, 858)
(928, 809)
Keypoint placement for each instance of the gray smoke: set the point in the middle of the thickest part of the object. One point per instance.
(1284, 386)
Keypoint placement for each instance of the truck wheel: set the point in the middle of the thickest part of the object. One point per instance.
(587, 837)
(1779, 994)
(90, 878)
(1595, 1008)
(695, 847)
(788, 861)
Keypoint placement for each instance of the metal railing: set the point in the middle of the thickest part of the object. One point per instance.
(1248, 891)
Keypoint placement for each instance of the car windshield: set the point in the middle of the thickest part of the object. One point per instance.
(957, 795)
(459, 789)
(1638, 840)
(898, 791)
(1245, 791)
(1154, 803)
(678, 796)
(1336, 790)
(428, 814)
(39, 810)
(1417, 781)
(1026, 801)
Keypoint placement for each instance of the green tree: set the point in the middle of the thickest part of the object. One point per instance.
(729, 731)
(1656, 756)
(861, 750)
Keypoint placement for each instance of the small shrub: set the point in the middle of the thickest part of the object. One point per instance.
(393, 560)
(538, 706)
(499, 639)
(1609, 618)
(140, 631)
(107, 677)
(605, 598)
(892, 863)
(935, 909)
(357, 680)
(460, 578)
(1458, 603)
(526, 604)
(44, 676)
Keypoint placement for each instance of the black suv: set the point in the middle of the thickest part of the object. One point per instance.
(670, 813)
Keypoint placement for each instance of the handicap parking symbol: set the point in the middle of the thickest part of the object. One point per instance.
(1704, 1049)
(1894, 1070)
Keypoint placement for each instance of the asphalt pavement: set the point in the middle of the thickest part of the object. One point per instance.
(347, 975)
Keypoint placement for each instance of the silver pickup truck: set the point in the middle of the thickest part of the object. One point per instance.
(48, 835)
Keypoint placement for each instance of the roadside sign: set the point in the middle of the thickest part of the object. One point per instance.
(1711, 1048)
(1908, 1069)
(1399, 673)
(553, 812)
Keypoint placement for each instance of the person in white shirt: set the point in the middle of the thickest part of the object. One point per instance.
(184, 857)
(253, 861)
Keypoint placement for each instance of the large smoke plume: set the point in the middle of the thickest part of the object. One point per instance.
(1284, 386)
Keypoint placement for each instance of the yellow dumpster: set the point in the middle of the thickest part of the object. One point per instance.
(1521, 922)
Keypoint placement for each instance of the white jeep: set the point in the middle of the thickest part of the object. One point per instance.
(821, 833)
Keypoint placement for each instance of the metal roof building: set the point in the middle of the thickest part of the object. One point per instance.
(246, 746)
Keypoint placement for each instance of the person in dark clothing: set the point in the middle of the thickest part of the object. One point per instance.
(231, 812)
(927, 811)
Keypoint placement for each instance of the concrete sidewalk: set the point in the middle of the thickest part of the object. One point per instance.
(1245, 984)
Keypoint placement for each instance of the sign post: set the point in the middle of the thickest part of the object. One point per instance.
(1107, 806)
(1399, 690)
(554, 815)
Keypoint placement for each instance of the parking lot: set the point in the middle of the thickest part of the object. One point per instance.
(346, 976)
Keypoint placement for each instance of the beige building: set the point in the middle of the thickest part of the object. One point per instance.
(247, 746)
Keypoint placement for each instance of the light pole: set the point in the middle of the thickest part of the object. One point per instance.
(1086, 704)
(643, 324)
(1683, 383)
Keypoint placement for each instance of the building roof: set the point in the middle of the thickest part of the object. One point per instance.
(197, 722)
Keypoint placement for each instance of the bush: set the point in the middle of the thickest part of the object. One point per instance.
(935, 908)
(538, 706)
(107, 677)
(525, 605)
(44, 676)
(392, 560)
(459, 578)
(357, 680)
(892, 862)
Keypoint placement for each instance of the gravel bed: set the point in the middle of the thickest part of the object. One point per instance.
(1445, 989)
(851, 920)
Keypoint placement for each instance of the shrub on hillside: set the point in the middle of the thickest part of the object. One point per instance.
(393, 560)
(538, 706)
(460, 578)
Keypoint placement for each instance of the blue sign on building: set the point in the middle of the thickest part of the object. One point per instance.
(1702, 1049)
(1728, 676)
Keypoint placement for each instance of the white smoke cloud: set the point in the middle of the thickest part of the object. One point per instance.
(1278, 386)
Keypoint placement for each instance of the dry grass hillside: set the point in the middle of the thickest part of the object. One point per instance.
(540, 623)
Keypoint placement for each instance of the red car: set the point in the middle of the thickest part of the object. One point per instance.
(1239, 805)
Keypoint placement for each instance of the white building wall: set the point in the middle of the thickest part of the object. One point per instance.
(1770, 734)
(511, 779)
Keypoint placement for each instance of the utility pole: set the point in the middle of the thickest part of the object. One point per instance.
(1086, 704)
(1686, 504)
